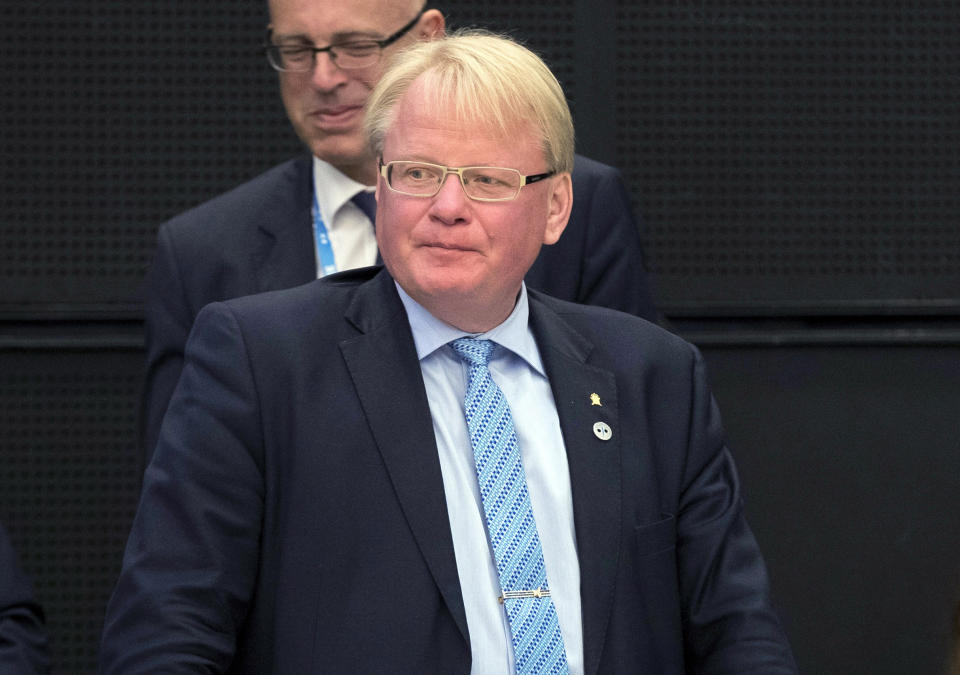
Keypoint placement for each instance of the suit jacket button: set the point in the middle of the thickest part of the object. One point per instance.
(602, 431)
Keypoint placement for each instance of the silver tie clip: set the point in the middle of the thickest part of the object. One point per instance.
(535, 593)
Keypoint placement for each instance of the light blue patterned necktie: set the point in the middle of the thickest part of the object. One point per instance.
(537, 641)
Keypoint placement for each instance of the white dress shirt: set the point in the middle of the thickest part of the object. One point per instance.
(517, 369)
(349, 230)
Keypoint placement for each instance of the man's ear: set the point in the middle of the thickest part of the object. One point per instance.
(376, 189)
(431, 25)
(561, 202)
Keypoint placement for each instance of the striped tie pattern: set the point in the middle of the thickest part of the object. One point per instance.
(537, 641)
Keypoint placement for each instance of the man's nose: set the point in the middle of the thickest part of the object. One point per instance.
(326, 73)
(450, 203)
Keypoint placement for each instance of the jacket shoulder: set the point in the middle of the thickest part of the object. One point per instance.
(586, 169)
(277, 190)
(620, 339)
(314, 308)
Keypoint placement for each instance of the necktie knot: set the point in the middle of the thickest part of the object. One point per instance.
(473, 351)
(366, 203)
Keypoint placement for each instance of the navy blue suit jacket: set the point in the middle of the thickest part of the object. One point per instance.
(293, 518)
(258, 237)
(23, 637)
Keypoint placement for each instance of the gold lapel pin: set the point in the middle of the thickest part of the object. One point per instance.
(595, 399)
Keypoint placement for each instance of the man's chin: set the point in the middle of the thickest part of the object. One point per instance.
(348, 154)
(434, 287)
(338, 148)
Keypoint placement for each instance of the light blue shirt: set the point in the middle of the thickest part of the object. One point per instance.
(517, 369)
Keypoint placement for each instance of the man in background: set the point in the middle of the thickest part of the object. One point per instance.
(314, 215)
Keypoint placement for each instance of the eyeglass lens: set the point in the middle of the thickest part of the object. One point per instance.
(300, 58)
(481, 182)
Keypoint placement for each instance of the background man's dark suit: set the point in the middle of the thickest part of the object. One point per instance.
(23, 637)
(258, 238)
(295, 510)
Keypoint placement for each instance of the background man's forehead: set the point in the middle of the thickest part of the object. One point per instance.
(360, 9)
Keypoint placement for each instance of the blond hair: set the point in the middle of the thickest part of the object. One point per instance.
(487, 79)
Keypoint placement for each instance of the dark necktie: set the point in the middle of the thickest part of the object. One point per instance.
(367, 203)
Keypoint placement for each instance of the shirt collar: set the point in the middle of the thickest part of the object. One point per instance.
(430, 333)
(333, 189)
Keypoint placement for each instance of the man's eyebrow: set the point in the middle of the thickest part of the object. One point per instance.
(336, 38)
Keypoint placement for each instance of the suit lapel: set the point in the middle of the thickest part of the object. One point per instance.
(594, 466)
(384, 354)
(283, 254)
(386, 373)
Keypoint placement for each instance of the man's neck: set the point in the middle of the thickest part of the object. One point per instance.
(465, 315)
(429, 330)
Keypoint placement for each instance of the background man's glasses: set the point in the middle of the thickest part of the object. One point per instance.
(299, 57)
(481, 183)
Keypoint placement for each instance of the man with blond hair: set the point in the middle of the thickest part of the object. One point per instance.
(432, 468)
(312, 215)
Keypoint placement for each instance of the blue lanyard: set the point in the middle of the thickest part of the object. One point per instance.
(328, 264)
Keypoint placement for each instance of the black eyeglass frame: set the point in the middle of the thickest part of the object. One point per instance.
(269, 47)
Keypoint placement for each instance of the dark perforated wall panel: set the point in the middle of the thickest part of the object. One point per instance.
(549, 29)
(115, 116)
(794, 153)
(793, 156)
(69, 484)
(850, 460)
